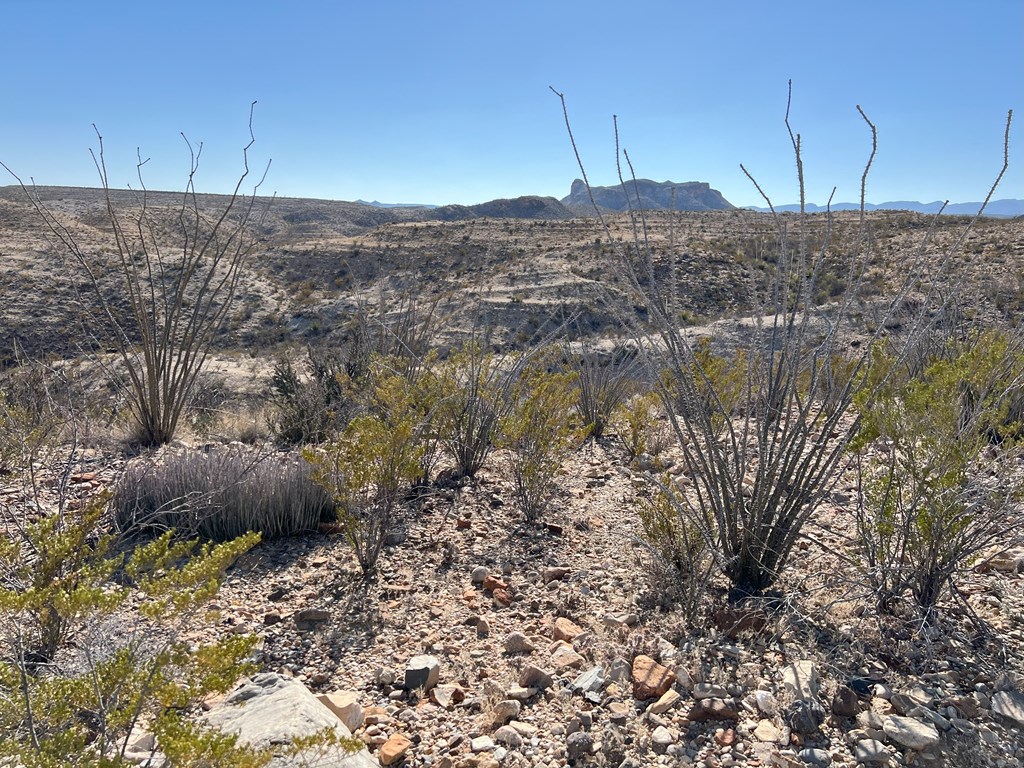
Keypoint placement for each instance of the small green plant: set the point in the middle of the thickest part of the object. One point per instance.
(368, 469)
(70, 685)
(602, 385)
(476, 391)
(683, 562)
(636, 424)
(936, 491)
(310, 407)
(540, 433)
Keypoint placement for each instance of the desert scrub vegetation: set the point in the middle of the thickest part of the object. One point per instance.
(682, 565)
(640, 427)
(369, 468)
(75, 680)
(602, 384)
(764, 437)
(477, 387)
(940, 479)
(159, 311)
(220, 493)
(310, 405)
(540, 431)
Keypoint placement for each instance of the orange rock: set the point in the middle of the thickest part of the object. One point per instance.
(650, 679)
(565, 630)
(492, 583)
(393, 750)
(725, 736)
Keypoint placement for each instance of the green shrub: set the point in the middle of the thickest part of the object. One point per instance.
(310, 407)
(76, 678)
(368, 468)
(935, 492)
(602, 385)
(683, 561)
(638, 427)
(540, 433)
(476, 390)
(220, 494)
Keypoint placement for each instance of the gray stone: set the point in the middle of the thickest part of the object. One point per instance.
(517, 642)
(311, 618)
(910, 733)
(619, 670)
(578, 745)
(534, 677)
(422, 672)
(928, 716)
(505, 710)
(709, 691)
(270, 711)
(482, 744)
(1009, 704)
(819, 758)
(591, 680)
(661, 739)
(479, 574)
(805, 716)
(845, 702)
(800, 679)
(509, 737)
(871, 752)
(767, 703)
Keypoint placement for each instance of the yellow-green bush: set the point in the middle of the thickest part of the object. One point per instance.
(539, 430)
(936, 491)
(72, 686)
(370, 465)
(680, 552)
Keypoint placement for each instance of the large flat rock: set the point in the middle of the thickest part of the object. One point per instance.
(270, 711)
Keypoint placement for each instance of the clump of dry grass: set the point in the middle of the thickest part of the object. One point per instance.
(220, 494)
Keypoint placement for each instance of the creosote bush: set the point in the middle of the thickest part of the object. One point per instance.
(60, 698)
(682, 560)
(639, 426)
(939, 481)
(220, 494)
(540, 432)
(369, 468)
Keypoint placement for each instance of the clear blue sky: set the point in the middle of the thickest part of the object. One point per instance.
(445, 102)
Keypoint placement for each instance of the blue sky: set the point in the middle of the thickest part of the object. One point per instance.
(445, 102)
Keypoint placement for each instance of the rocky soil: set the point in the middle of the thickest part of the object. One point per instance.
(484, 641)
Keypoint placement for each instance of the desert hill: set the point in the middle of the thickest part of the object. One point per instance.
(519, 267)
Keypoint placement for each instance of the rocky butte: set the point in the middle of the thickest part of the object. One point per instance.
(650, 195)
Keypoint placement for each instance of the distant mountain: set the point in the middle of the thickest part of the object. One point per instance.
(1001, 208)
(653, 195)
(528, 207)
(376, 204)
